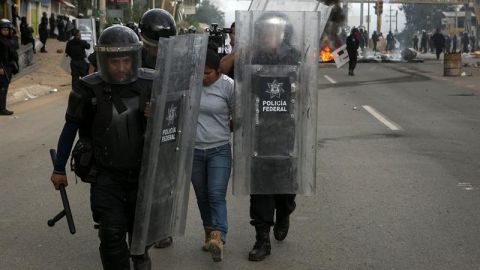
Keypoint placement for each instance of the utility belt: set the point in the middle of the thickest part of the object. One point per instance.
(82, 163)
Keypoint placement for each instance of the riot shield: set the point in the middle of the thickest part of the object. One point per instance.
(86, 27)
(296, 5)
(275, 102)
(169, 141)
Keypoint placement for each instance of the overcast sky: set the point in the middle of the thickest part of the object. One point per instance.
(229, 7)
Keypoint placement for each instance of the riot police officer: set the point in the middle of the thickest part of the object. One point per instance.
(353, 42)
(274, 33)
(8, 58)
(76, 51)
(155, 24)
(107, 108)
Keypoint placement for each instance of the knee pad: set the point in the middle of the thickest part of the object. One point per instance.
(112, 237)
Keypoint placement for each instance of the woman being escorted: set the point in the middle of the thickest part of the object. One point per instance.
(212, 156)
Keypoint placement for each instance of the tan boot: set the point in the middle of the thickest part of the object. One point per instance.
(215, 246)
(207, 238)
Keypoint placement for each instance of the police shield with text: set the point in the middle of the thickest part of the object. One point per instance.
(275, 117)
(169, 141)
(107, 108)
(155, 24)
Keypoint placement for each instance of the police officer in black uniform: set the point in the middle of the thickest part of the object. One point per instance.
(353, 42)
(8, 58)
(76, 51)
(155, 24)
(275, 49)
(43, 32)
(107, 108)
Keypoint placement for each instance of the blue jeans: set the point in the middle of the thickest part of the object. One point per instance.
(210, 174)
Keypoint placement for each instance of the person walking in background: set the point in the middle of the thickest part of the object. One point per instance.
(76, 51)
(423, 42)
(465, 41)
(448, 45)
(375, 39)
(454, 43)
(26, 34)
(390, 42)
(61, 28)
(8, 57)
(52, 23)
(43, 32)
(415, 42)
(353, 43)
(362, 39)
(472, 42)
(438, 41)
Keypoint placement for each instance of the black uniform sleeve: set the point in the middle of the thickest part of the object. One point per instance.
(87, 45)
(65, 143)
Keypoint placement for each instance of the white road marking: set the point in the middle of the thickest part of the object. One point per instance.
(330, 79)
(380, 117)
(466, 186)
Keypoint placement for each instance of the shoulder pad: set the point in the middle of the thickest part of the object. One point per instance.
(92, 79)
(146, 74)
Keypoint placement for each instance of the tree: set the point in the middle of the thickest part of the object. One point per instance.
(420, 17)
(208, 13)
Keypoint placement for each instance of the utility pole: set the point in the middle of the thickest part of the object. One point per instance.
(368, 16)
(103, 14)
(390, 18)
(396, 22)
(361, 12)
(378, 11)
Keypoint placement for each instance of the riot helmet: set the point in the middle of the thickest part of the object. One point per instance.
(118, 55)
(4, 23)
(273, 29)
(155, 24)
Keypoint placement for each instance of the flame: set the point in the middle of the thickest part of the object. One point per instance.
(325, 54)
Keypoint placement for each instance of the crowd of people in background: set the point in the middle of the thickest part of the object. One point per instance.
(437, 42)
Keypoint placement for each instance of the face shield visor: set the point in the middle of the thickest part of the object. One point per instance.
(119, 65)
(271, 32)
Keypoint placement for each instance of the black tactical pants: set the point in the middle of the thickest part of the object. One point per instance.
(353, 61)
(4, 83)
(264, 207)
(79, 69)
(113, 200)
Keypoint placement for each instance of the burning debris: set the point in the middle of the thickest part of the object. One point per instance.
(326, 54)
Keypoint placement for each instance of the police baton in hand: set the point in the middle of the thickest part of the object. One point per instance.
(66, 205)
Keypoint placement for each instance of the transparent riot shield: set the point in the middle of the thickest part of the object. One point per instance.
(295, 5)
(86, 27)
(169, 141)
(275, 116)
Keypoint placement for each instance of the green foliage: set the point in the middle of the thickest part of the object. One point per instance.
(207, 13)
(134, 13)
(420, 17)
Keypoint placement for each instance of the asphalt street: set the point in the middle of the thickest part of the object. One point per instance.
(397, 185)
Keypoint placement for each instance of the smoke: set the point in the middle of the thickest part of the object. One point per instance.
(332, 29)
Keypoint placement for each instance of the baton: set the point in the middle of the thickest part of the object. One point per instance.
(66, 205)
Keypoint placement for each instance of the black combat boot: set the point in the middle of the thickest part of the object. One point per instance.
(280, 229)
(262, 245)
(3, 103)
(166, 242)
(142, 262)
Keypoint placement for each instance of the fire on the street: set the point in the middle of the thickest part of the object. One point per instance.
(325, 54)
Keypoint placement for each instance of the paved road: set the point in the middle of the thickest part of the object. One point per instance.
(397, 188)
